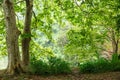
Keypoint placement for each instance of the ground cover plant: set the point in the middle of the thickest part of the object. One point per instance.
(53, 66)
(101, 65)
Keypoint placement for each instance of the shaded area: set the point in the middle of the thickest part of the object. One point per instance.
(99, 76)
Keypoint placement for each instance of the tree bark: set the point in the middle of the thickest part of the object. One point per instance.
(12, 35)
(115, 42)
(27, 32)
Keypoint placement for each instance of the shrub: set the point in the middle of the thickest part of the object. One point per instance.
(53, 66)
(115, 58)
(59, 66)
(100, 65)
(94, 66)
(115, 62)
(40, 67)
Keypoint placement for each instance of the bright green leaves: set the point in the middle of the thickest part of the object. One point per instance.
(39, 51)
(3, 50)
(94, 19)
(44, 19)
(68, 5)
(80, 38)
(48, 31)
(20, 7)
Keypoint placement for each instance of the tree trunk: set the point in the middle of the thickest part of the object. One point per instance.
(27, 33)
(115, 47)
(115, 42)
(12, 35)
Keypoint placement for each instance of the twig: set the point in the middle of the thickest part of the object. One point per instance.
(34, 15)
(35, 18)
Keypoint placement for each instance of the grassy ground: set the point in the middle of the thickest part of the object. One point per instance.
(73, 76)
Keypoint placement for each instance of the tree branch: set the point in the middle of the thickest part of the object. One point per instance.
(19, 1)
(34, 15)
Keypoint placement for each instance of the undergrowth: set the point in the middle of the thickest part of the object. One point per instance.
(53, 66)
(101, 65)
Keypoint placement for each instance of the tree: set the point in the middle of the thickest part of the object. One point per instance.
(12, 35)
(89, 15)
(27, 32)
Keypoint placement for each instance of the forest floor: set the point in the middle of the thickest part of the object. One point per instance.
(75, 76)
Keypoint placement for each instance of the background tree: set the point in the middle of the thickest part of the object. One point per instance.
(91, 18)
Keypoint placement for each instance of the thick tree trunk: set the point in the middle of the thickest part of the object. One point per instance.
(27, 32)
(12, 34)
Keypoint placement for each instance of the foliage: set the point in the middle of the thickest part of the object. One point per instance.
(54, 65)
(2, 33)
(84, 39)
(40, 52)
(93, 22)
(82, 43)
(59, 66)
(39, 67)
(100, 65)
(115, 62)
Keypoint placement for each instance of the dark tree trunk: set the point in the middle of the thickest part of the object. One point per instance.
(115, 42)
(27, 32)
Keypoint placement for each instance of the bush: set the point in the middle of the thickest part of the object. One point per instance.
(115, 62)
(94, 66)
(100, 65)
(40, 67)
(59, 66)
(53, 66)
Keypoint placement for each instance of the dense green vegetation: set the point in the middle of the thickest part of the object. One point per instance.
(54, 65)
(101, 65)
